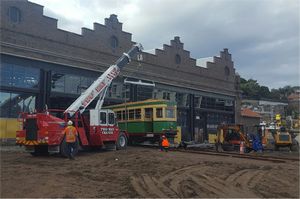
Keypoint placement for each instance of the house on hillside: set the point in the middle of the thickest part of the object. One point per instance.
(249, 119)
(266, 108)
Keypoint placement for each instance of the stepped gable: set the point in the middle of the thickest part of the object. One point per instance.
(222, 66)
(38, 37)
(35, 23)
(171, 56)
(176, 57)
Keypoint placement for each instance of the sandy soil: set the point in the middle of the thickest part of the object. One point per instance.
(144, 172)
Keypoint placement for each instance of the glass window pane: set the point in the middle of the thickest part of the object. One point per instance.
(12, 104)
(124, 115)
(111, 118)
(159, 113)
(6, 71)
(72, 84)
(131, 114)
(148, 113)
(4, 104)
(29, 103)
(25, 77)
(144, 92)
(102, 118)
(170, 113)
(119, 115)
(58, 82)
(16, 105)
(137, 113)
(14, 14)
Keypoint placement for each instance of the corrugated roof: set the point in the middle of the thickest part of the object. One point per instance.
(246, 112)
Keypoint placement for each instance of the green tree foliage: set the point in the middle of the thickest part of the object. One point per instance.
(252, 90)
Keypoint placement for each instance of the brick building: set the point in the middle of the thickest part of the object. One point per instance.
(43, 65)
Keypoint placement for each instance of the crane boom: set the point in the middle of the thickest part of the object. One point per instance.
(100, 86)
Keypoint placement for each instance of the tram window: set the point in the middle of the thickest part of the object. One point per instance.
(159, 113)
(137, 113)
(119, 115)
(131, 114)
(170, 113)
(124, 115)
(102, 118)
(148, 113)
(111, 118)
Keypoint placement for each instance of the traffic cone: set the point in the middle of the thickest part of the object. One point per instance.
(242, 147)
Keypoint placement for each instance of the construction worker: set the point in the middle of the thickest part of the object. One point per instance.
(164, 143)
(71, 134)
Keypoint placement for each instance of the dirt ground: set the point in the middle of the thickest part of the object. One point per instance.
(145, 172)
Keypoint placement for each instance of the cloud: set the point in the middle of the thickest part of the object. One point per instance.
(262, 35)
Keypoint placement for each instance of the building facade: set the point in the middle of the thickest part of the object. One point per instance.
(43, 65)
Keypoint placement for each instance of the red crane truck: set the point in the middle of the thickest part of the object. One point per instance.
(42, 132)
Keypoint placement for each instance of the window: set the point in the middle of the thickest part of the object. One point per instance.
(111, 118)
(68, 83)
(131, 114)
(177, 59)
(148, 113)
(137, 114)
(19, 76)
(124, 115)
(197, 100)
(170, 113)
(102, 118)
(144, 92)
(119, 115)
(11, 104)
(58, 82)
(182, 99)
(14, 14)
(114, 42)
(159, 112)
(72, 84)
(166, 95)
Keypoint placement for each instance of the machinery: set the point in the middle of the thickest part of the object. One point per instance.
(230, 136)
(42, 132)
(282, 138)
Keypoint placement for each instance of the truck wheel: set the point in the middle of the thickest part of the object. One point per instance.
(276, 148)
(64, 148)
(122, 141)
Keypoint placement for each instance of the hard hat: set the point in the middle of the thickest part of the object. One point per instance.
(163, 136)
(70, 123)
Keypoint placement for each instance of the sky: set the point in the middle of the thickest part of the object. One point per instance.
(262, 35)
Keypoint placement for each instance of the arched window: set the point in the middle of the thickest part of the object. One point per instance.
(227, 71)
(14, 14)
(177, 59)
(114, 42)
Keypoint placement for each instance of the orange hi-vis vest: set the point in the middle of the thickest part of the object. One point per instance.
(165, 143)
(71, 133)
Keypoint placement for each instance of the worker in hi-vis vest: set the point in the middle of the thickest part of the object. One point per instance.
(71, 134)
(164, 143)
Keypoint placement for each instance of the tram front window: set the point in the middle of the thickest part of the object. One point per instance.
(170, 113)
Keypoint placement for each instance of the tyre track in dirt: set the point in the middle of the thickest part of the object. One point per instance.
(189, 180)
